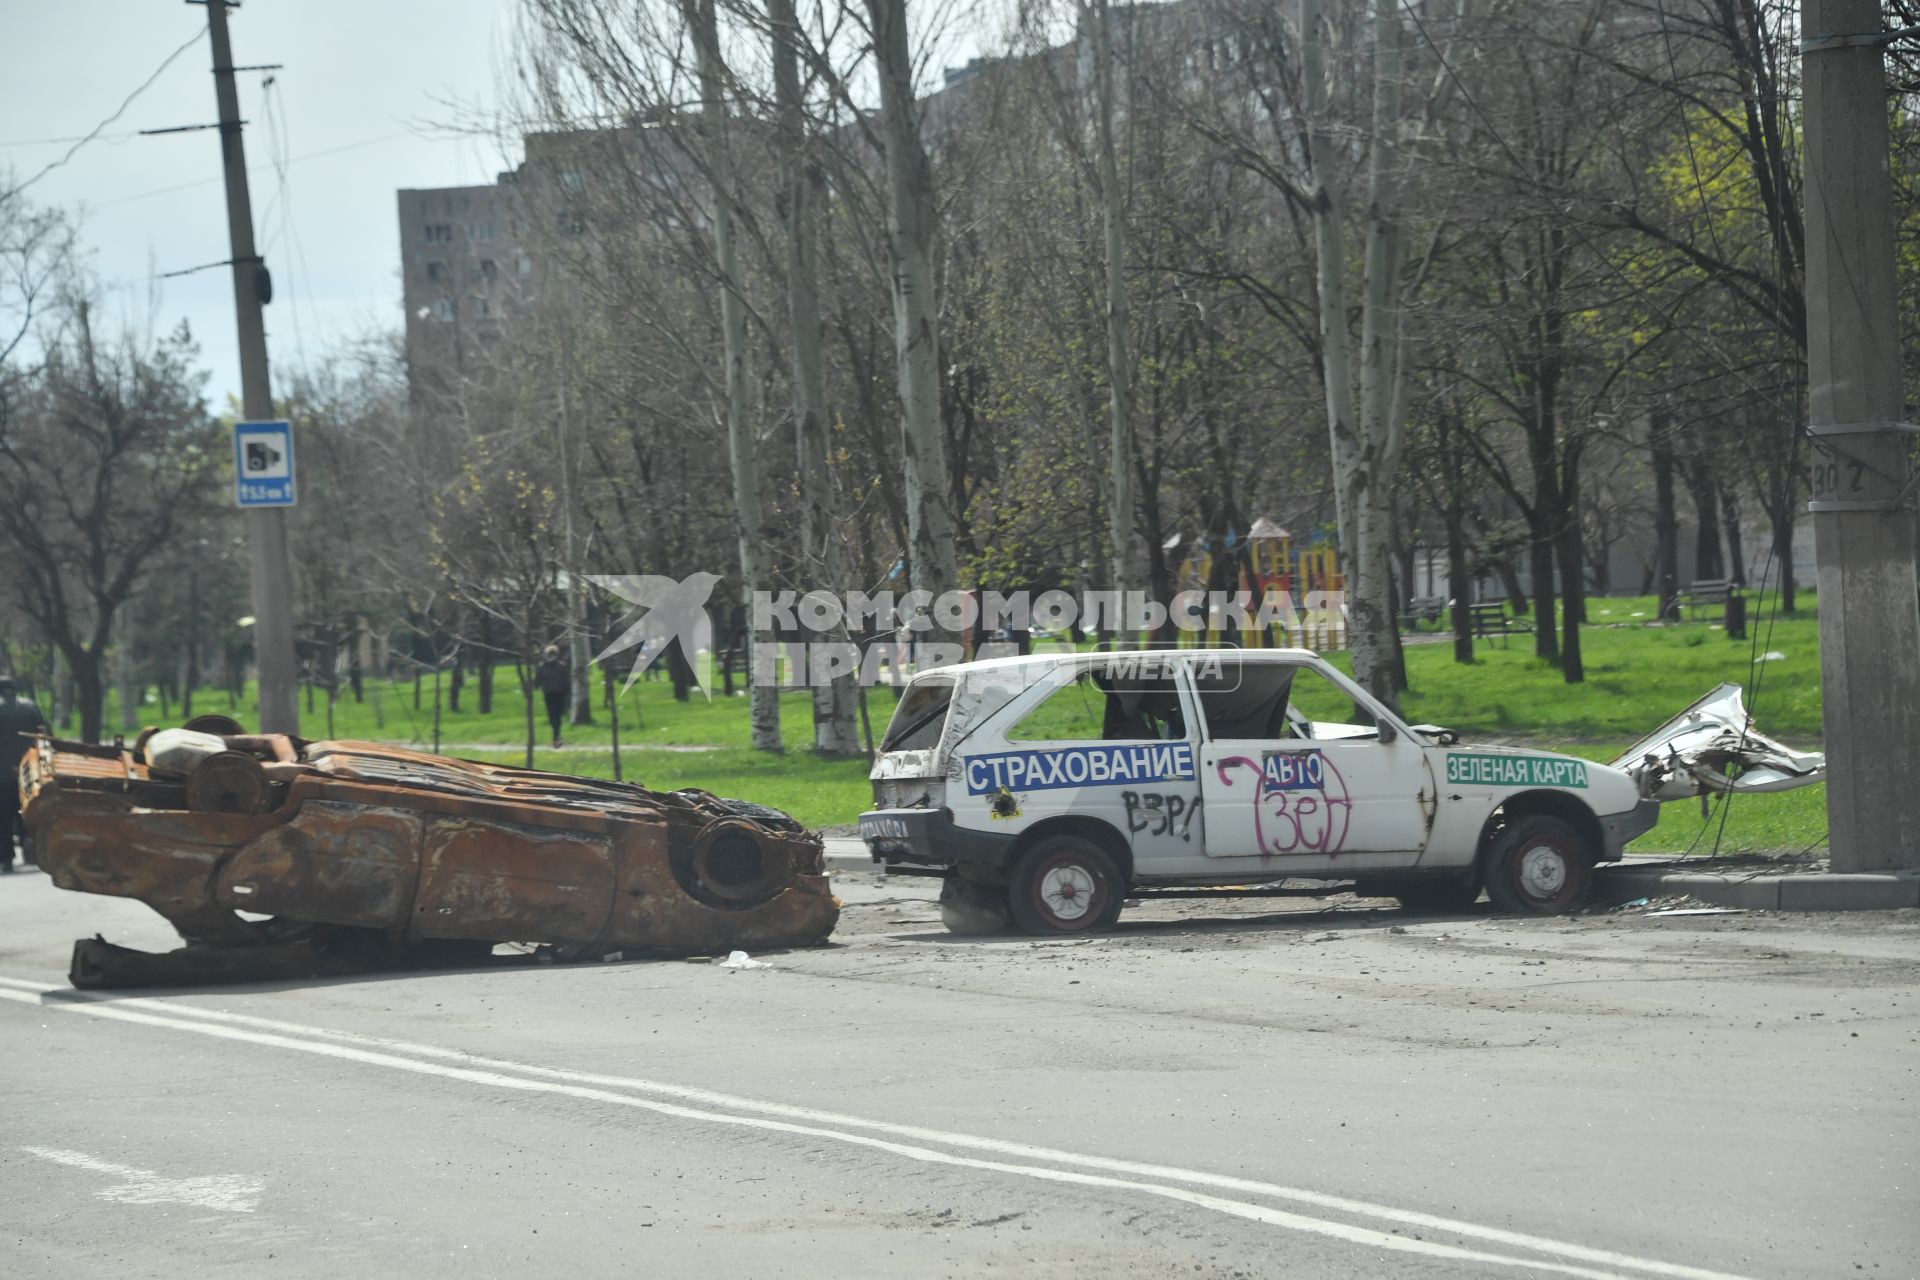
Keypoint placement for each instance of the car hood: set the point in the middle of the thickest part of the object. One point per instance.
(1713, 747)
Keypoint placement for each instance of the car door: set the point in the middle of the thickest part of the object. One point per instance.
(1314, 787)
(1109, 741)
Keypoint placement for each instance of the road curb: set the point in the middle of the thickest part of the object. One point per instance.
(1867, 891)
(845, 853)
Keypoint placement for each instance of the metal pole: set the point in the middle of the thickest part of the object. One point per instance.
(266, 528)
(1863, 530)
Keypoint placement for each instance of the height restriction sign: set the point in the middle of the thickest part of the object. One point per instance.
(263, 464)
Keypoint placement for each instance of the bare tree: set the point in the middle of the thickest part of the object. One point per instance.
(1367, 444)
(106, 453)
(804, 192)
(742, 439)
(1097, 20)
(916, 315)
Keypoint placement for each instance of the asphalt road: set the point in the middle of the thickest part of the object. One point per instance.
(1252, 1088)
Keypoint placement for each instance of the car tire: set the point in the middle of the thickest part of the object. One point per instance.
(970, 908)
(1437, 897)
(1538, 865)
(1065, 884)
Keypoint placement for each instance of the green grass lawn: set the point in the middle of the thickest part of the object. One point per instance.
(1637, 677)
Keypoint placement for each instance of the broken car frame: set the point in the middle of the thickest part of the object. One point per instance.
(275, 857)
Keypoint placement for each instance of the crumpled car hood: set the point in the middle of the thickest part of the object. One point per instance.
(1713, 747)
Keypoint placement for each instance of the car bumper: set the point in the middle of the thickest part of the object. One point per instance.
(930, 837)
(1616, 829)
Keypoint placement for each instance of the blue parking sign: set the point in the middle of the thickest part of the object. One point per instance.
(263, 464)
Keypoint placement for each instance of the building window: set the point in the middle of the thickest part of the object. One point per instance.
(487, 269)
(479, 231)
(523, 264)
(442, 309)
(439, 233)
(436, 271)
(482, 308)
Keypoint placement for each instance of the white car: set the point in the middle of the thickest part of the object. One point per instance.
(1047, 788)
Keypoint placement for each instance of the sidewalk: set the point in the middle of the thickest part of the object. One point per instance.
(1757, 885)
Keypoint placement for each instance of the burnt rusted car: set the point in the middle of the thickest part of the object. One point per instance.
(279, 857)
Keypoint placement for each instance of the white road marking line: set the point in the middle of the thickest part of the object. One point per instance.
(1225, 1182)
(227, 1192)
(490, 1071)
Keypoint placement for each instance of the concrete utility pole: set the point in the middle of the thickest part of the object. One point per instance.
(268, 568)
(1863, 527)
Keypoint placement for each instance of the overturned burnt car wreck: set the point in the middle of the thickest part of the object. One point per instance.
(276, 857)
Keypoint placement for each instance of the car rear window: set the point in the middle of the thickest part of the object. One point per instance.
(921, 716)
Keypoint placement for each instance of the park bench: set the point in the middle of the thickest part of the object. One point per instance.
(1705, 594)
(1490, 618)
(1422, 609)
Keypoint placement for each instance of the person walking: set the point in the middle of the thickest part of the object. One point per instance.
(18, 716)
(555, 680)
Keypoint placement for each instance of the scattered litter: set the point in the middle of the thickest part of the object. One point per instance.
(741, 960)
(1699, 911)
(612, 956)
(1772, 655)
(1637, 902)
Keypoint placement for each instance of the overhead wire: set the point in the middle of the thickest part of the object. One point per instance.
(94, 133)
(274, 126)
(207, 182)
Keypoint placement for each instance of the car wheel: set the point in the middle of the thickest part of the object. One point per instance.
(970, 908)
(1437, 897)
(1065, 884)
(1538, 866)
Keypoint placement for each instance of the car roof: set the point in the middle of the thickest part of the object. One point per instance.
(1040, 659)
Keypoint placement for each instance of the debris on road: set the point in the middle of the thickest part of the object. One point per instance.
(741, 960)
(276, 857)
(1698, 911)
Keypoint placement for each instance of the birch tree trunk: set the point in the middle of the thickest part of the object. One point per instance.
(763, 690)
(834, 701)
(1124, 571)
(1331, 253)
(579, 656)
(923, 446)
(1367, 449)
(123, 672)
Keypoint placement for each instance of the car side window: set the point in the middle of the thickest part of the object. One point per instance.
(1251, 700)
(1088, 710)
(1319, 700)
(1075, 712)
